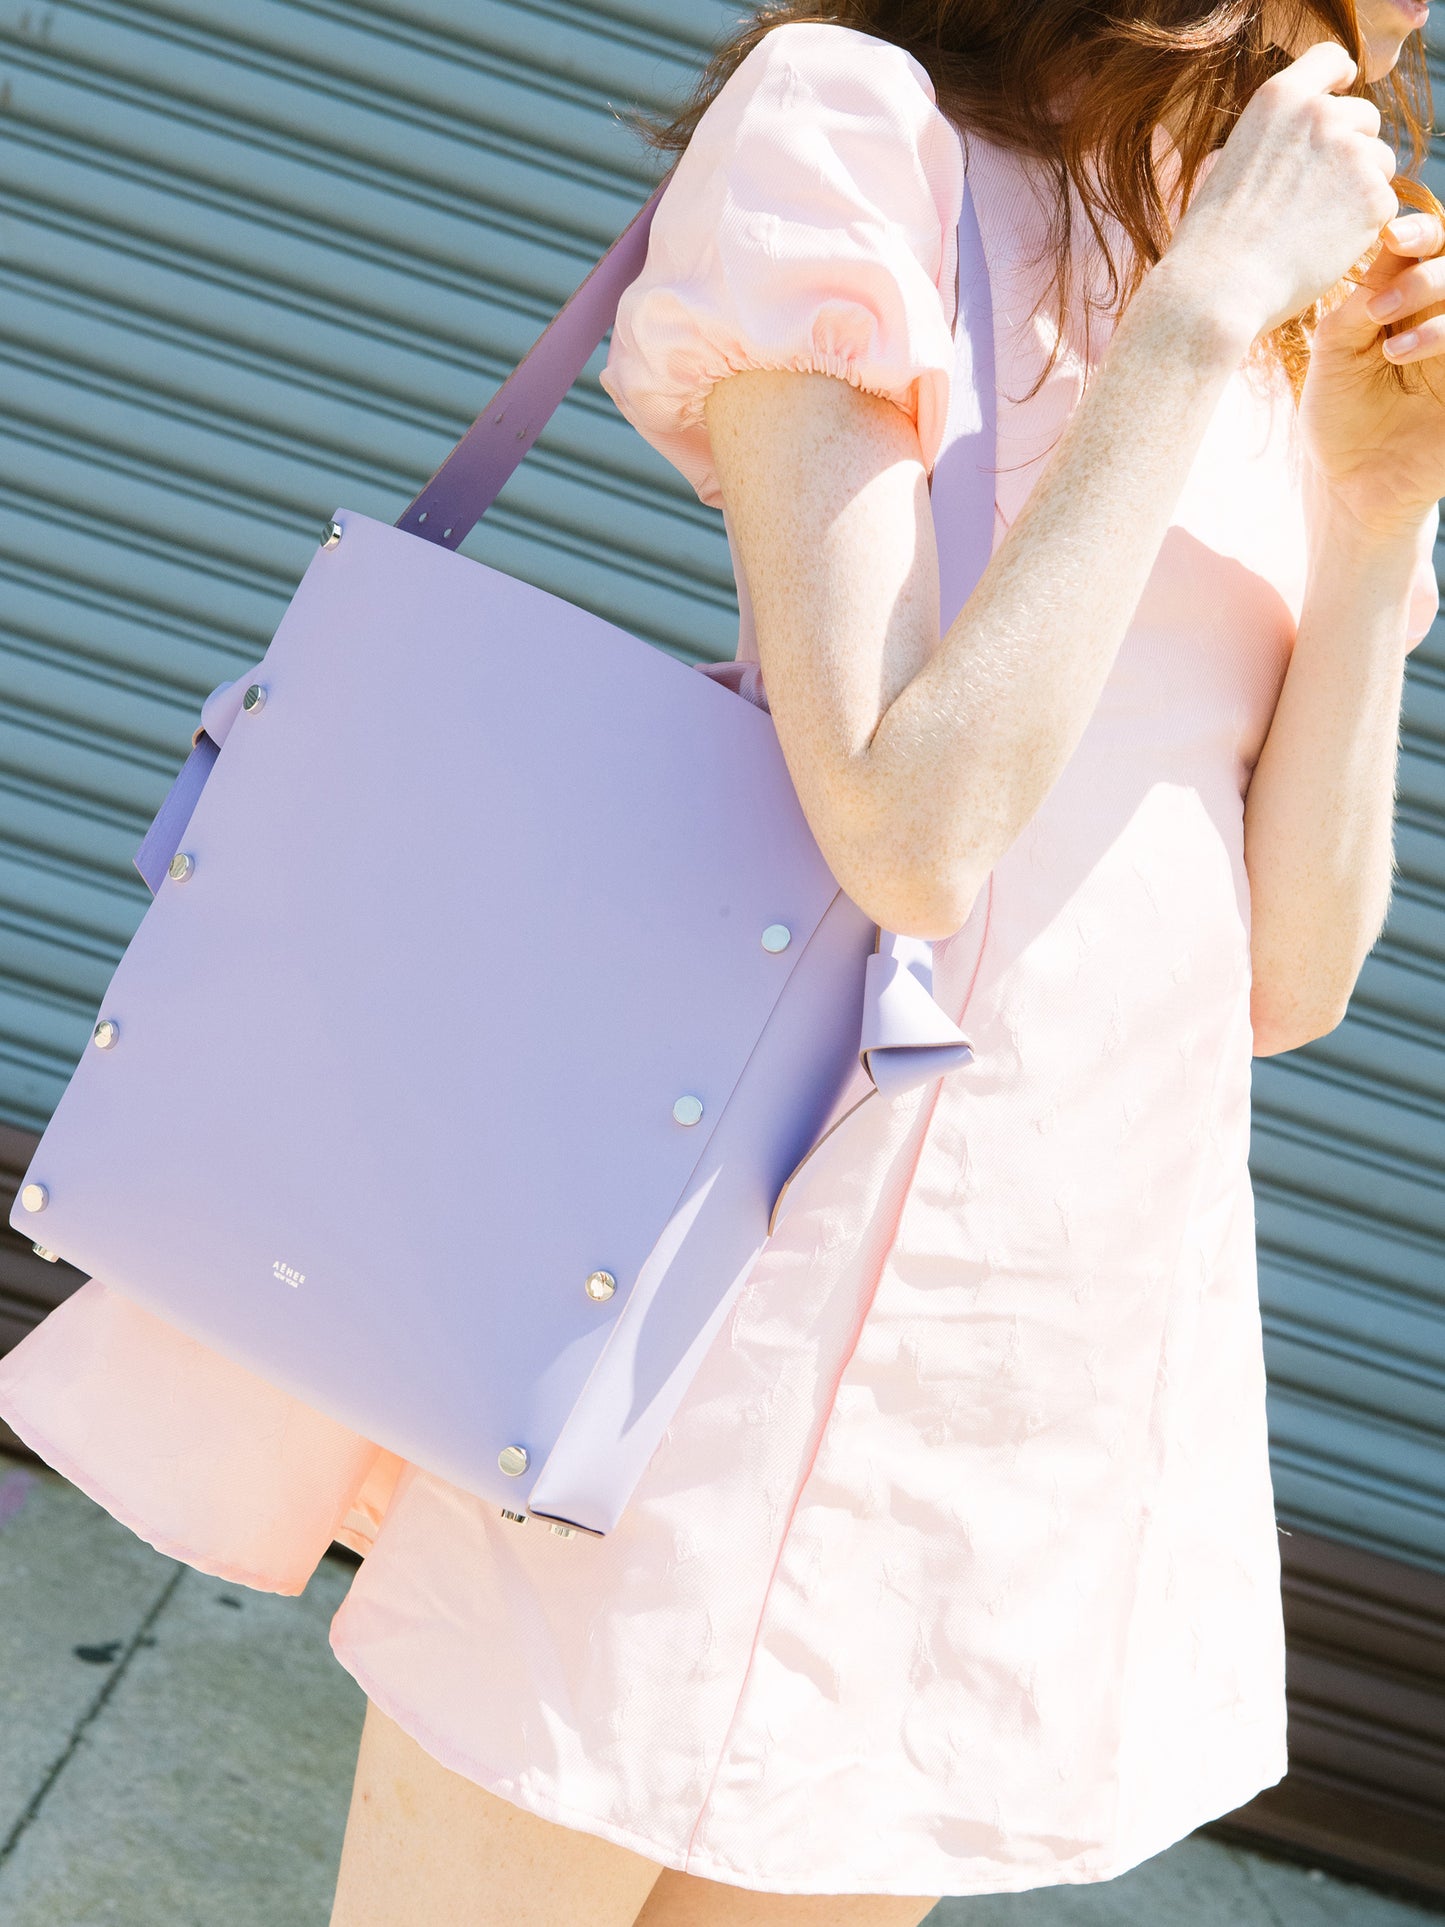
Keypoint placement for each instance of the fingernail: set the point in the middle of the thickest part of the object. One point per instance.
(1402, 344)
(1408, 230)
(1389, 302)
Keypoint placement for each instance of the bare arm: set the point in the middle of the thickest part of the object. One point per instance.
(918, 758)
(1319, 819)
(1319, 816)
(918, 761)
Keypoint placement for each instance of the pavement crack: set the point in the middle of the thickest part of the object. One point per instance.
(90, 1715)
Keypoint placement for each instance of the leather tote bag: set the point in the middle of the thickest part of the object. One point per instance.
(492, 987)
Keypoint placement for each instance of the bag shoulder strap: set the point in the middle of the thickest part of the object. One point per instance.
(472, 476)
(484, 460)
(965, 475)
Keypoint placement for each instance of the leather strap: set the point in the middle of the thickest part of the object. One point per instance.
(907, 1038)
(484, 460)
(168, 826)
(965, 474)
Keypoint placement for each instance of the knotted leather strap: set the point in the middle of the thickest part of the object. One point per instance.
(907, 1039)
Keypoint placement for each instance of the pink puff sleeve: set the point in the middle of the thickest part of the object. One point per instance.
(811, 224)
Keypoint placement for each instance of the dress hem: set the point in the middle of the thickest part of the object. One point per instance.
(85, 1481)
(689, 1860)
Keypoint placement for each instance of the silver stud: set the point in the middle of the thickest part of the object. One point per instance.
(331, 534)
(254, 698)
(776, 938)
(181, 866)
(562, 1532)
(106, 1034)
(35, 1197)
(517, 1518)
(50, 1257)
(688, 1110)
(513, 1460)
(600, 1286)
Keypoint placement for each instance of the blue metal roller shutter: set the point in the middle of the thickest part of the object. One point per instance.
(265, 256)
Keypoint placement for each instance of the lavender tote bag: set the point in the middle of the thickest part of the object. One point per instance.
(492, 988)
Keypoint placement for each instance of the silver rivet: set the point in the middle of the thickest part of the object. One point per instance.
(600, 1285)
(181, 865)
(513, 1460)
(562, 1532)
(776, 937)
(254, 698)
(35, 1197)
(331, 535)
(517, 1518)
(50, 1257)
(688, 1110)
(106, 1034)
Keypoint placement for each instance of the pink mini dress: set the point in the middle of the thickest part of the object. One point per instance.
(956, 1571)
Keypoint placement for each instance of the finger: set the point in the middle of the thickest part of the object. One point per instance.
(1353, 110)
(1417, 234)
(1324, 68)
(1383, 156)
(1350, 325)
(1417, 344)
(1414, 288)
(1385, 210)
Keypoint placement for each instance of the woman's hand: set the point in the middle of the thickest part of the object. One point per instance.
(1297, 195)
(1373, 410)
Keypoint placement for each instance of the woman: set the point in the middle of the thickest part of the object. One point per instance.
(956, 1572)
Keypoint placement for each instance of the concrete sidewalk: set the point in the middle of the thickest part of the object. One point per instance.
(176, 1752)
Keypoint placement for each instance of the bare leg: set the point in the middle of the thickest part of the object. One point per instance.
(426, 1847)
(685, 1900)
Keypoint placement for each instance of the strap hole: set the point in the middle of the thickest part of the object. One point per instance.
(422, 516)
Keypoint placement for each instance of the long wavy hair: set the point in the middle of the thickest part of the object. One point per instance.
(1080, 85)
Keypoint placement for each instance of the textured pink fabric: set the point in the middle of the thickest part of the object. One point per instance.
(957, 1570)
(202, 1459)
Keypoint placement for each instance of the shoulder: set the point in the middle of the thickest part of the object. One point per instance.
(841, 81)
(827, 56)
(825, 131)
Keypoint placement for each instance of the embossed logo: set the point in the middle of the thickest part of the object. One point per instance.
(288, 1274)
